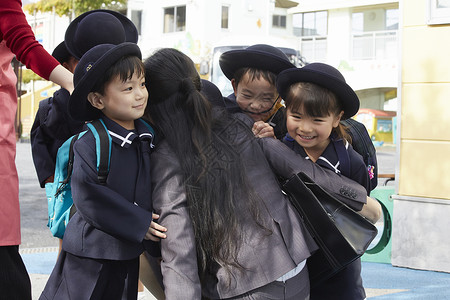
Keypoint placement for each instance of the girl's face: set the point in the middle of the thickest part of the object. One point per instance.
(125, 101)
(312, 133)
(256, 98)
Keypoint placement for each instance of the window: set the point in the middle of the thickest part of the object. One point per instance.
(174, 19)
(279, 21)
(438, 12)
(136, 18)
(310, 23)
(373, 39)
(392, 18)
(225, 10)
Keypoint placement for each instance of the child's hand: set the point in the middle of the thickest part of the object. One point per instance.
(261, 129)
(155, 232)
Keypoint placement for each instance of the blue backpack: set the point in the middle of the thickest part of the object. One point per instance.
(59, 192)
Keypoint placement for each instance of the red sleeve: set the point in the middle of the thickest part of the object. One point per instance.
(19, 37)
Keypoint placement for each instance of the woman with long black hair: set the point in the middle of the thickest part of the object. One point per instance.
(231, 233)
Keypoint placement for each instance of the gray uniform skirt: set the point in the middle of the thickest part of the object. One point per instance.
(75, 277)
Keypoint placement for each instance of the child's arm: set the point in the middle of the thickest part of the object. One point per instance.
(155, 231)
(285, 163)
(371, 210)
(99, 205)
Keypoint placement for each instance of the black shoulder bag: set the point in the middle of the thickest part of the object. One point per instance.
(341, 233)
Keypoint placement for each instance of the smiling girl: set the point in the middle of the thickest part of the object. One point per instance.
(317, 98)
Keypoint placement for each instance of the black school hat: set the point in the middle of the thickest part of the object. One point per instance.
(212, 93)
(92, 65)
(326, 76)
(97, 27)
(60, 53)
(260, 56)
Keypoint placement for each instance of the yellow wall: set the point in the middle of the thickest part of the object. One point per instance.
(425, 110)
(28, 109)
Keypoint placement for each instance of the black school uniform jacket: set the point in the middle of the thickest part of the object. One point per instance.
(51, 128)
(330, 160)
(112, 219)
(347, 284)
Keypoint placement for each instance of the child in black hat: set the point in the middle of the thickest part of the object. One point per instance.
(253, 72)
(45, 137)
(317, 98)
(113, 223)
(52, 125)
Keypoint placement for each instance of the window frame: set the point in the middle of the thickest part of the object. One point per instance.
(175, 27)
(314, 13)
(136, 18)
(437, 15)
(222, 17)
(279, 19)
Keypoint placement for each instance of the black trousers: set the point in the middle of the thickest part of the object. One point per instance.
(15, 283)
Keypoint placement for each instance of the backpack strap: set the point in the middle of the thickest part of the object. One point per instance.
(103, 146)
(66, 180)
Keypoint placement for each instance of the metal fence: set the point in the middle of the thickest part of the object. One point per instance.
(375, 45)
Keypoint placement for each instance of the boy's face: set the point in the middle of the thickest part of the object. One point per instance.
(257, 98)
(312, 133)
(124, 101)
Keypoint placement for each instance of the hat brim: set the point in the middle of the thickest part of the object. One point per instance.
(233, 60)
(79, 106)
(131, 34)
(345, 94)
(60, 53)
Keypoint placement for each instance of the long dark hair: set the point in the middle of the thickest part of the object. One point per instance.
(208, 155)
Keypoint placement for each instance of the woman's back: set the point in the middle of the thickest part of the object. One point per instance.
(272, 243)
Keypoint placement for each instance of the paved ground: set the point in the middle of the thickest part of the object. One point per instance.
(39, 248)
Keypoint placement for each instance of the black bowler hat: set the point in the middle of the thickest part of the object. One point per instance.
(90, 68)
(260, 56)
(60, 53)
(325, 76)
(97, 27)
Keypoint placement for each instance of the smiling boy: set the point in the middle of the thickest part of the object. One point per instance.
(113, 223)
(252, 72)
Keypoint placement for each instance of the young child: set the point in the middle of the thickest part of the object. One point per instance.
(52, 125)
(317, 98)
(44, 142)
(253, 73)
(113, 223)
